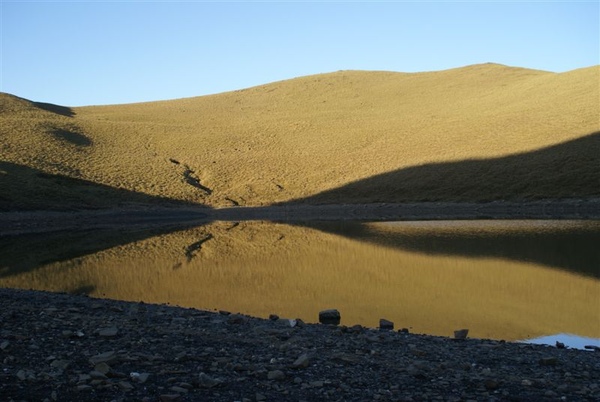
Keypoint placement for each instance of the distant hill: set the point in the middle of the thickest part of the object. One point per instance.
(479, 133)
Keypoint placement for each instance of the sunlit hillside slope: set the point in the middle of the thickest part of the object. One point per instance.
(348, 136)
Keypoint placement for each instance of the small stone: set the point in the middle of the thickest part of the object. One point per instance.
(205, 381)
(260, 397)
(560, 345)
(181, 390)
(102, 368)
(21, 375)
(97, 375)
(491, 385)
(386, 324)
(84, 377)
(301, 362)
(106, 357)
(125, 386)
(331, 316)
(60, 364)
(548, 361)
(527, 383)
(461, 334)
(592, 347)
(108, 332)
(169, 397)
(143, 377)
(403, 331)
(273, 317)
(84, 388)
(236, 319)
(316, 384)
(4, 345)
(277, 375)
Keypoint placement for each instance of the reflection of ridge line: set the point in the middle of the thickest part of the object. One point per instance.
(192, 250)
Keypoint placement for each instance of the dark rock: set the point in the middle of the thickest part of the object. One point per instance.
(461, 334)
(331, 316)
(301, 362)
(273, 317)
(491, 385)
(106, 357)
(548, 361)
(108, 332)
(277, 375)
(205, 381)
(386, 324)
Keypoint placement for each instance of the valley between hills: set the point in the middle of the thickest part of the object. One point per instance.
(467, 136)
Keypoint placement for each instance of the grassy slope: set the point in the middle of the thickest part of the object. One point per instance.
(296, 139)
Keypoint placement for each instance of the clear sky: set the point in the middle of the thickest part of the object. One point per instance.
(77, 53)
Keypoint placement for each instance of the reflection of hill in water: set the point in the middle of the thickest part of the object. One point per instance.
(262, 268)
(572, 246)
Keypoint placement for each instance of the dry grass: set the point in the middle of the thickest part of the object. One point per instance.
(302, 138)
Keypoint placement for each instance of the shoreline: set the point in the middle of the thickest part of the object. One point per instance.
(29, 222)
(67, 347)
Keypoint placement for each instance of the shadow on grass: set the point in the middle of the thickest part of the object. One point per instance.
(25, 188)
(57, 109)
(71, 137)
(567, 170)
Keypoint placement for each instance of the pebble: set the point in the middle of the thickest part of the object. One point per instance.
(276, 375)
(301, 362)
(108, 332)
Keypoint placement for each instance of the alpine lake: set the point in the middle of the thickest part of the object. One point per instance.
(521, 280)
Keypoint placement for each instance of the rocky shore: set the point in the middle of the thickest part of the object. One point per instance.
(59, 347)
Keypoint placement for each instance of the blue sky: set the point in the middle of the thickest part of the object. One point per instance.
(103, 52)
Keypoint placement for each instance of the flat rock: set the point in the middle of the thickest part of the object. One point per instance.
(330, 316)
(106, 357)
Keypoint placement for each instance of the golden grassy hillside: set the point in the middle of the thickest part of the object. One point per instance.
(479, 133)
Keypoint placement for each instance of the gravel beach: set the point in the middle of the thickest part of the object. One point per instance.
(59, 347)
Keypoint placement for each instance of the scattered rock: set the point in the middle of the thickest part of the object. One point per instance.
(125, 386)
(331, 316)
(385, 324)
(102, 367)
(277, 375)
(548, 361)
(301, 362)
(169, 397)
(108, 332)
(205, 381)
(60, 364)
(84, 388)
(491, 385)
(461, 334)
(193, 351)
(106, 357)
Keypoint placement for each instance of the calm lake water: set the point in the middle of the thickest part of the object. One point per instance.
(509, 280)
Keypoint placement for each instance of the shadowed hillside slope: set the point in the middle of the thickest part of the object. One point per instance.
(302, 138)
